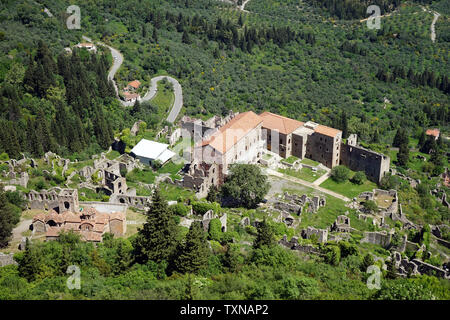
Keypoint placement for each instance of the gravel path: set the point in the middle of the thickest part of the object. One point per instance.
(308, 184)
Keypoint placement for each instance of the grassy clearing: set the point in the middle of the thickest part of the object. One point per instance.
(164, 98)
(304, 173)
(137, 175)
(172, 192)
(171, 168)
(291, 159)
(348, 188)
(310, 162)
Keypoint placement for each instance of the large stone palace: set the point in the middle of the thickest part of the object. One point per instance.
(247, 136)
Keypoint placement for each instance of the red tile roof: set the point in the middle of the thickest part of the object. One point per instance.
(229, 134)
(327, 131)
(282, 124)
(130, 96)
(135, 84)
(433, 132)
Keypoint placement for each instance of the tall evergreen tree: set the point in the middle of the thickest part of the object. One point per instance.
(376, 136)
(403, 155)
(8, 219)
(156, 240)
(30, 262)
(265, 236)
(422, 139)
(193, 254)
(186, 38)
(155, 35)
(401, 137)
(136, 108)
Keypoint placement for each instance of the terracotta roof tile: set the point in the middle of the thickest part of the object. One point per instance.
(282, 124)
(71, 217)
(433, 132)
(91, 236)
(229, 134)
(53, 231)
(327, 131)
(135, 84)
(129, 96)
(39, 217)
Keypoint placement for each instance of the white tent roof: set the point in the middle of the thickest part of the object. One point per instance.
(166, 155)
(152, 150)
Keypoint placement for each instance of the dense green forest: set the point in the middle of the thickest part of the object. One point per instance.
(284, 57)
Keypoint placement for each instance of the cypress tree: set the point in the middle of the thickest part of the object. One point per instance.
(400, 138)
(265, 236)
(185, 38)
(403, 155)
(9, 141)
(156, 240)
(136, 108)
(376, 136)
(391, 271)
(155, 36)
(30, 262)
(422, 140)
(367, 262)
(193, 254)
(8, 219)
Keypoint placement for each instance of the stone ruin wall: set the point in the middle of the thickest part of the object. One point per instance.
(6, 259)
(379, 238)
(375, 165)
(139, 202)
(56, 199)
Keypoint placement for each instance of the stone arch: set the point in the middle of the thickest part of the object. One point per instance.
(51, 223)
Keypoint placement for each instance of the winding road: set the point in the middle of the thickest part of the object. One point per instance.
(242, 7)
(433, 31)
(178, 92)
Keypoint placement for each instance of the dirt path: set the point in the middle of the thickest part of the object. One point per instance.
(307, 184)
(23, 226)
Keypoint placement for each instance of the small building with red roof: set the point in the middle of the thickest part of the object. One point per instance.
(433, 132)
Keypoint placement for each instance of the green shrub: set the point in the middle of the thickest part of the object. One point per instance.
(340, 174)
(359, 177)
(215, 230)
(332, 255)
(4, 156)
(201, 208)
(370, 205)
(348, 249)
(251, 230)
(180, 209)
